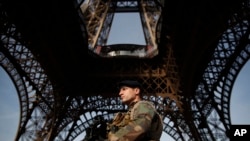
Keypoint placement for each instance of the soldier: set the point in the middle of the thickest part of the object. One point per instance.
(141, 122)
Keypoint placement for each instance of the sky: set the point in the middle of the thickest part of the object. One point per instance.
(9, 104)
(240, 105)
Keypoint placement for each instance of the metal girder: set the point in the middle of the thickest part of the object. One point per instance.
(33, 87)
(214, 91)
(47, 115)
(97, 16)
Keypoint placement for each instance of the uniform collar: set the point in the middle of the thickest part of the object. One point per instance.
(132, 104)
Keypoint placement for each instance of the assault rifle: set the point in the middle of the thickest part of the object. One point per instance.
(97, 131)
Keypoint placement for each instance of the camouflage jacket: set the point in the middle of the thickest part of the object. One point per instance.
(141, 123)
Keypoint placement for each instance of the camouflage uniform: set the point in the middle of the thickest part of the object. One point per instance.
(140, 123)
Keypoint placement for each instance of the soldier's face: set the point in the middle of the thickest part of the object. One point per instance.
(128, 95)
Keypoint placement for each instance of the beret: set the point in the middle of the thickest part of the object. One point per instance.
(129, 83)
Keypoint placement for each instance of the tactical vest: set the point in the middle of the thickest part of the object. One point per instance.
(122, 119)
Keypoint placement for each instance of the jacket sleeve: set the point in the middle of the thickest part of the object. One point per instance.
(137, 126)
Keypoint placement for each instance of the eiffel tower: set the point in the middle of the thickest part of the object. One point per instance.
(65, 72)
